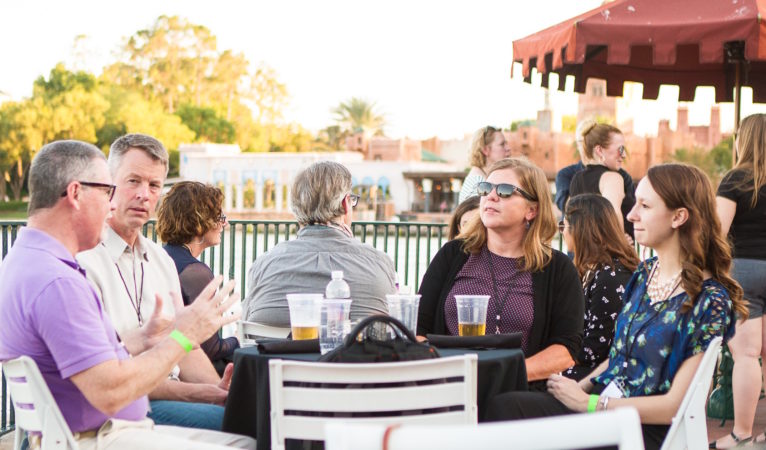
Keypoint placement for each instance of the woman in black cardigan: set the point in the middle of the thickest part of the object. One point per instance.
(505, 253)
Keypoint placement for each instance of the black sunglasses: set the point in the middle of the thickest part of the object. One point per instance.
(222, 218)
(504, 190)
(354, 199)
(110, 192)
(562, 226)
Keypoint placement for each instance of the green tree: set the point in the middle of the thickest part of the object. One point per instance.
(206, 124)
(359, 115)
(714, 162)
(130, 112)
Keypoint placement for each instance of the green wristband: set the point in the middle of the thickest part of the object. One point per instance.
(182, 340)
(592, 403)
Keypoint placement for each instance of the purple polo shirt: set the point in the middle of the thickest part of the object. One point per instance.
(49, 312)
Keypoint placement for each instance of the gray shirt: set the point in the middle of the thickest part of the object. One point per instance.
(303, 265)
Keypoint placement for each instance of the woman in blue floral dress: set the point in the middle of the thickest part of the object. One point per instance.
(674, 305)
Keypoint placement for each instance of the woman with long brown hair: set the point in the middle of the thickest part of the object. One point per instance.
(507, 255)
(742, 210)
(605, 262)
(675, 304)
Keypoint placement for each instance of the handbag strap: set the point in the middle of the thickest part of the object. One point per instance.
(378, 318)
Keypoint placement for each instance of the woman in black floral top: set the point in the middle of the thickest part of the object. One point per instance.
(605, 263)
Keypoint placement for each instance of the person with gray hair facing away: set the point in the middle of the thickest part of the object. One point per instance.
(322, 202)
(50, 313)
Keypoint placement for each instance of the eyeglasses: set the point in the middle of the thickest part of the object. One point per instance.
(222, 218)
(622, 151)
(354, 199)
(562, 226)
(109, 192)
(504, 190)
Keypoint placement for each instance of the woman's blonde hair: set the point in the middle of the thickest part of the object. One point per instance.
(537, 239)
(593, 134)
(751, 154)
(481, 139)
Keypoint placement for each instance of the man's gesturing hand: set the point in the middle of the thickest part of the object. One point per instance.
(204, 316)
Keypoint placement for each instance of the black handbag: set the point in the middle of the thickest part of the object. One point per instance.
(370, 341)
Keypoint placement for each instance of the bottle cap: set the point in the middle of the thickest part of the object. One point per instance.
(336, 274)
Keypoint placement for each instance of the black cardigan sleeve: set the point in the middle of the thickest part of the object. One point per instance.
(439, 277)
(565, 305)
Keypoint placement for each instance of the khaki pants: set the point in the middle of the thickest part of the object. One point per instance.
(118, 434)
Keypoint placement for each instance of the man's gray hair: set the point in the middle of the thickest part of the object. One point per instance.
(149, 145)
(318, 192)
(55, 166)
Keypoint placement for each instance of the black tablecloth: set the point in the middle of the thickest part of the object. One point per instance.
(248, 404)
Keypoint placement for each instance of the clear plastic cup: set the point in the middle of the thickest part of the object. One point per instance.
(404, 307)
(305, 312)
(334, 324)
(472, 314)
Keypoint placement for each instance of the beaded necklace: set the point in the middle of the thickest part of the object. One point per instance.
(660, 291)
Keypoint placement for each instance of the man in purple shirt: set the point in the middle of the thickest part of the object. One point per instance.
(50, 313)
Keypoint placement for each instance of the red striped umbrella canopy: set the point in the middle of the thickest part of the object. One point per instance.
(688, 43)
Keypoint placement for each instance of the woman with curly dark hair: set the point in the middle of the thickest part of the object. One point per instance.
(675, 304)
(605, 262)
(189, 220)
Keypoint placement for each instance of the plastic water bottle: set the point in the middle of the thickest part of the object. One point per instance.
(337, 287)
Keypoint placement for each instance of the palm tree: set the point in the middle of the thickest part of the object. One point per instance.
(359, 115)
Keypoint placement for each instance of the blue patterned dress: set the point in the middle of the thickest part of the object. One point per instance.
(652, 341)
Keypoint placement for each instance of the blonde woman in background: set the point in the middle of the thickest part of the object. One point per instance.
(603, 151)
(741, 203)
(487, 147)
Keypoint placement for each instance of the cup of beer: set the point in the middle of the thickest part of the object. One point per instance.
(471, 314)
(305, 315)
(404, 307)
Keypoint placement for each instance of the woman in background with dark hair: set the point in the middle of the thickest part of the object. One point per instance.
(605, 263)
(675, 304)
(189, 220)
(462, 215)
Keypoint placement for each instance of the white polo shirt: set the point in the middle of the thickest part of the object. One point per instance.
(127, 279)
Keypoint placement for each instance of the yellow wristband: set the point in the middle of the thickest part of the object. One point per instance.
(592, 403)
(182, 340)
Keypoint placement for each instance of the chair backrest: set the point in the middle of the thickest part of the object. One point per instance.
(36, 410)
(441, 390)
(689, 429)
(620, 427)
(248, 332)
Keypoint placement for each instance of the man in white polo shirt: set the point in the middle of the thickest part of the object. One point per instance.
(128, 270)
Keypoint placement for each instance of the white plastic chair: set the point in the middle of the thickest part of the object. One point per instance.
(36, 410)
(689, 429)
(248, 332)
(452, 384)
(620, 427)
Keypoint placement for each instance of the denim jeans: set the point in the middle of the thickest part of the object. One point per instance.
(186, 414)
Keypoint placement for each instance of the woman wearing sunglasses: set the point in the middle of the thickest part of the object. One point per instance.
(605, 262)
(603, 151)
(487, 147)
(507, 255)
(675, 304)
(189, 220)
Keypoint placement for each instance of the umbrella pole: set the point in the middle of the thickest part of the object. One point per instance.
(737, 104)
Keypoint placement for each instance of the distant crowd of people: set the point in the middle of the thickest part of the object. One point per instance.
(125, 331)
